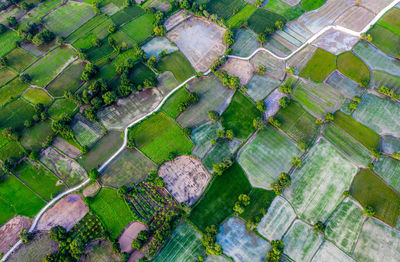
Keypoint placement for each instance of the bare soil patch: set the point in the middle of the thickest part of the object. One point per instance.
(292, 2)
(100, 251)
(356, 18)
(185, 178)
(130, 233)
(300, 59)
(375, 5)
(275, 68)
(136, 256)
(272, 103)
(336, 42)
(239, 68)
(91, 190)
(10, 230)
(200, 41)
(176, 19)
(66, 212)
(66, 147)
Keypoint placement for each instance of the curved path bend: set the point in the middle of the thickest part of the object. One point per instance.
(309, 41)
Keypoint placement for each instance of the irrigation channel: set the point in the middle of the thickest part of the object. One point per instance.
(309, 41)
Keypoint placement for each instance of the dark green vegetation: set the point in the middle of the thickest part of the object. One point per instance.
(262, 19)
(218, 201)
(366, 136)
(35, 137)
(178, 64)
(158, 137)
(260, 199)
(354, 68)
(141, 73)
(68, 80)
(171, 107)
(239, 116)
(370, 190)
(11, 91)
(386, 33)
(61, 107)
(19, 59)
(140, 28)
(242, 16)
(225, 8)
(14, 114)
(112, 210)
(284, 9)
(320, 66)
(310, 5)
(126, 14)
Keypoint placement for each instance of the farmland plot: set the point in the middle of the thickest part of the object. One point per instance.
(10, 230)
(15, 113)
(39, 11)
(6, 75)
(301, 241)
(86, 132)
(176, 19)
(260, 86)
(166, 83)
(240, 17)
(336, 42)
(100, 251)
(68, 18)
(213, 258)
(278, 219)
(66, 147)
(265, 157)
(319, 99)
(239, 243)
(329, 252)
(275, 68)
(239, 68)
(129, 167)
(385, 40)
(11, 90)
(126, 110)
(379, 114)
(347, 87)
(184, 245)
(140, 28)
(185, 178)
(19, 59)
(213, 96)
(324, 173)
(347, 146)
(37, 96)
(389, 169)
(245, 43)
(158, 44)
(225, 8)
(344, 226)
(380, 78)
(390, 144)
(61, 107)
(178, 64)
(222, 150)
(272, 103)
(374, 5)
(202, 136)
(68, 80)
(319, 66)
(300, 59)
(376, 60)
(66, 169)
(355, 18)
(353, 67)
(7, 41)
(377, 242)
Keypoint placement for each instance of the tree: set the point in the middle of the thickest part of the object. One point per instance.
(258, 123)
(11, 21)
(10, 134)
(109, 97)
(213, 115)
(286, 88)
(262, 38)
(329, 117)
(274, 122)
(90, 113)
(319, 121)
(244, 199)
(34, 156)
(228, 37)
(124, 257)
(366, 37)
(58, 233)
(302, 145)
(258, 3)
(25, 236)
(279, 25)
(60, 40)
(209, 240)
(284, 101)
(296, 162)
(94, 174)
(122, 191)
(275, 253)
(369, 211)
(25, 78)
(160, 30)
(283, 182)
(3, 61)
(229, 134)
(3, 28)
(261, 70)
(320, 227)
(112, 28)
(261, 105)
(219, 168)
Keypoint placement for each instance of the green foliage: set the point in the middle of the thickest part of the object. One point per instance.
(274, 122)
(296, 162)
(284, 181)
(320, 66)
(284, 101)
(320, 227)
(228, 80)
(213, 115)
(277, 248)
(25, 236)
(219, 168)
(94, 174)
(369, 211)
(209, 240)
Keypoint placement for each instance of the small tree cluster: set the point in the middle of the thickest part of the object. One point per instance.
(296, 162)
(219, 168)
(243, 201)
(354, 103)
(320, 227)
(261, 106)
(140, 240)
(94, 174)
(329, 117)
(258, 123)
(274, 121)
(369, 211)
(209, 240)
(389, 92)
(286, 88)
(261, 70)
(283, 182)
(25, 236)
(228, 80)
(284, 101)
(228, 38)
(275, 253)
(213, 115)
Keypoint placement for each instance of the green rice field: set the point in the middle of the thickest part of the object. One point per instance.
(222, 150)
(34, 138)
(11, 91)
(14, 114)
(68, 80)
(178, 64)
(202, 136)
(6, 75)
(171, 106)
(388, 169)
(262, 19)
(19, 59)
(353, 67)
(320, 66)
(7, 41)
(224, 8)
(37, 96)
(244, 14)
(140, 28)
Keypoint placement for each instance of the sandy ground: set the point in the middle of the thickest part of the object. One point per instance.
(66, 147)
(136, 256)
(185, 178)
(355, 18)
(336, 42)
(239, 68)
(66, 212)
(292, 2)
(200, 41)
(176, 19)
(130, 233)
(10, 230)
(91, 190)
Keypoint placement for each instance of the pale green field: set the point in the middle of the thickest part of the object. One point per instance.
(202, 137)
(388, 169)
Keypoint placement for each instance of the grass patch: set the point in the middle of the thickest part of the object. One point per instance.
(7, 41)
(14, 114)
(366, 136)
(369, 189)
(10, 149)
(140, 28)
(61, 107)
(225, 8)
(37, 96)
(320, 66)
(222, 150)
(239, 116)
(68, 80)
(17, 199)
(353, 67)
(19, 59)
(140, 73)
(262, 19)
(6, 75)
(310, 5)
(127, 14)
(11, 91)
(86, 29)
(244, 14)
(385, 40)
(171, 106)
(112, 210)
(158, 136)
(218, 201)
(34, 138)
(260, 200)
(178, 64)
(284, 9)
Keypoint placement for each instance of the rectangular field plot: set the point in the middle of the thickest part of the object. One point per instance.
(7, 41)
(213, 96)
(239, 243)
(34, 137)
(41, 180)
(37, 96)
(202, 137)
(66, 169)
(127, 14)
(158, 44)
(184, 245)
(47, 68)
(218, 201)
(112, 210)
(102, 150)
(319, 66)
(68, 18)
(245, 43)
(302, 241)
(225, 8)
(274, 68)
(260, 86)
(329, 252)
(129, 167)
(68, 80)
(319, 99)
(347, 87)
(376, 60)
(377, 242)
(222, 150)
(297, 123)
(140, 28)
(171, 107)
(380, 78)
(368, 189)
(317, 186)
(158, 136)
(278, 219)
(385, 40)
(388, 169)
(178, 64)
(37, 13)
(17, 199)
(12, 90)
(86, 132)
(347, 146)
(10, 149)
(6, 75)
(61, 107)
(390, 144)
(19, 59)
(265, 157)
(15, 113)
(380, 114)
(344, 226)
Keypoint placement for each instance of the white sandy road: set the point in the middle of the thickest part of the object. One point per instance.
(309, 41)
